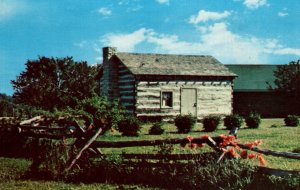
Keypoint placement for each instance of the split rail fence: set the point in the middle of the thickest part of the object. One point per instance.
(87, 140)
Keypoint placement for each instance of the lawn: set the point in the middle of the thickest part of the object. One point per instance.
(273, 133)
(278, 138)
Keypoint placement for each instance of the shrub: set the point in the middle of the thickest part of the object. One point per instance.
(99, 109)
(184, 123)
(156, 129)
(129, 126)
(210, 123)
(291, 120)
(233, 121)
(253, 120)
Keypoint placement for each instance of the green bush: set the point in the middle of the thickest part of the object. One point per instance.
(156, 129)
(233, 121)
(210, 123)
(99, 109)
(291, 120)
(129, 126)
(253, 120)
(184, 123)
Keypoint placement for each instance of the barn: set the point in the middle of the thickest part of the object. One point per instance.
(251, 92)
(161, 85)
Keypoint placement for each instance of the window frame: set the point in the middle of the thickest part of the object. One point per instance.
(161, 99)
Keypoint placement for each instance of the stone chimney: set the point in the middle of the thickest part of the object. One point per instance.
(108, 52)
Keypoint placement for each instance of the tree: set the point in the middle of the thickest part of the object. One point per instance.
(50, 83)
(6, 106)
(288, 78)
(288, 84)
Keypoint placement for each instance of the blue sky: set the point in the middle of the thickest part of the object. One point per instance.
(234, 31)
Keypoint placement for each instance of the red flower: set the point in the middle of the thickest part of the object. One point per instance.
(250, 145)
(251, 155)
(193, 145)
(201, 145)
(204, 137)
(244, 154)
(189, 138)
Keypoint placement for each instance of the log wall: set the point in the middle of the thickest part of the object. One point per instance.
(213, 97)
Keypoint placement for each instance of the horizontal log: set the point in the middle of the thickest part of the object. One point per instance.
(49, 136)
(126, 83)
(278, 172)
(272, 153)
(43, 128)
(121, 144)
(161, 156)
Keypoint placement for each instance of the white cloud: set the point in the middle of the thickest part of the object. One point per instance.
(125, 42)
(254, 4)
(287, 51)
(282, 14)
(163, 1)
(10, 8)
(204, 16)
(217, 40)
(105, 11)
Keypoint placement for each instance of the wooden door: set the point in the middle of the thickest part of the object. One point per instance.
(189, 101)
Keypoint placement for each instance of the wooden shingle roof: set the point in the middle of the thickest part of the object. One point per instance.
(163, 64)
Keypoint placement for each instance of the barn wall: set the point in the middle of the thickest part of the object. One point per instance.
(213, 97)
(268, 104)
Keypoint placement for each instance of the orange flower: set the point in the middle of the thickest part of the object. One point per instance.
(262, 161)
(244, 154)
(251, 155)
(189, 138)
(232, 152)
(257, 142)
(204, 137)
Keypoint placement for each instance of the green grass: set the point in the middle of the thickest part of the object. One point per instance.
(280, 138)
(12, 172)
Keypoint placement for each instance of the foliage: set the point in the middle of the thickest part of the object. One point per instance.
(210, 123)
(184, 123)
(156, 129)
(50, 158)
(233, 121)
(291, 120)
(6, 106)
(253, 120)
(129, 126)
(99, 110)
(49, 83)
(288, 78)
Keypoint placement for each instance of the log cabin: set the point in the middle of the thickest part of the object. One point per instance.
(164, 85)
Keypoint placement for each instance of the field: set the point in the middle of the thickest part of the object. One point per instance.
(278, 138)
(274, 135)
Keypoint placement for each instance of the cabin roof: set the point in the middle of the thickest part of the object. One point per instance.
(166, 64)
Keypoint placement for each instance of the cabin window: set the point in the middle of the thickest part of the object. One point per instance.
(167, 99)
